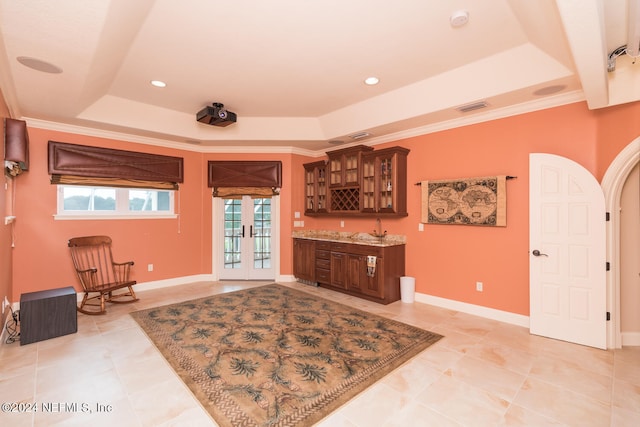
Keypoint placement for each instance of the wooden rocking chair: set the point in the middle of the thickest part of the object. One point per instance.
(99, 275)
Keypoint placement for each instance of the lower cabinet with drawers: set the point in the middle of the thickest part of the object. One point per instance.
(345, 267)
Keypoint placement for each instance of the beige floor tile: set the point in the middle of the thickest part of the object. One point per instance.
(491, 378)
(464, 403)
(482, 373)
(415, 414)
(375, 406)
(626, 395)
(564, 405)
(166, 401)
(627, 371)
(573, 375)
(413, 377)
(503, 356)
(517, 416)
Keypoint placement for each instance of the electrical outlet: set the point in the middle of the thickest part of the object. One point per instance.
(479, 286)
(150, 267)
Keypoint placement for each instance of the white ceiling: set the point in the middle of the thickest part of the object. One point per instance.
(293, 70)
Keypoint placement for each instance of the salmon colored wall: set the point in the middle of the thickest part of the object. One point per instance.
(41, 257)
(6, 254)
(176, 247)
(447, 260)
(617, 127)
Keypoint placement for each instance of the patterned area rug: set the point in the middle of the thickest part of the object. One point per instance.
(275, 356)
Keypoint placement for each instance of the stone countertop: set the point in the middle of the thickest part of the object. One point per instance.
(351, 237)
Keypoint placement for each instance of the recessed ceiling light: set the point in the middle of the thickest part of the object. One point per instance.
(158, 83)
(39, 65)
(372, 81)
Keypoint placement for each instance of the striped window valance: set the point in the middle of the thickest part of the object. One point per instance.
(239, 192)
(74, 164)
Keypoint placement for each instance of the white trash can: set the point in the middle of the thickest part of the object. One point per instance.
(407, 289)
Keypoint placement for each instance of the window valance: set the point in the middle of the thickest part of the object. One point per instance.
(233, 179)
(86, 165)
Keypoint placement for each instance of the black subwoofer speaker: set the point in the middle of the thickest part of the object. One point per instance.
(47, 314)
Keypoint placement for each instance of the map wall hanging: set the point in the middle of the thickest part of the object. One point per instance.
(467, 201)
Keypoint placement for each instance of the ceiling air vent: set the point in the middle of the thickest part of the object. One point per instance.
(472, 107)
(360, 135)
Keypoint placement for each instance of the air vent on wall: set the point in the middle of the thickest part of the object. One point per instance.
(472, 107)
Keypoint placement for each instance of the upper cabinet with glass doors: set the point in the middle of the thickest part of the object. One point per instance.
(344, 166)
(315, 187)
(358, 180)
(384, 181)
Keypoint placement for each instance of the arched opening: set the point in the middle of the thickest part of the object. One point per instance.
(612, 184)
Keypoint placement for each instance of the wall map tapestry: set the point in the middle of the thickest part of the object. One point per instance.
(468, 201)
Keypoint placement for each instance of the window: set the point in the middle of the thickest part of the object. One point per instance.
(110, 202)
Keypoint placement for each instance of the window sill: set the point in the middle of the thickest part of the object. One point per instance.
(66, 217)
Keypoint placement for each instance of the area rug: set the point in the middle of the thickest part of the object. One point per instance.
(276, 356)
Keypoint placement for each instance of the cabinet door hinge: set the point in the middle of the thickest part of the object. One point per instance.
(608, 266)
(607, 217)
(608, 316)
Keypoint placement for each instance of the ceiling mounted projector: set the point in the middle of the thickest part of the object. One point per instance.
(216, 115)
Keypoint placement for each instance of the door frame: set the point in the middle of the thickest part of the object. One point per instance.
(612, 185)
(217, 238)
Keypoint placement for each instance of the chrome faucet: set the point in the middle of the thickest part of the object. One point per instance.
(377, 232)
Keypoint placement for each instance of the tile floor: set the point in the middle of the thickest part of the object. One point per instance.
(483, 373)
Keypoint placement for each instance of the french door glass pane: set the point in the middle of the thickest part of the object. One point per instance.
(262, 233)
(232, 233)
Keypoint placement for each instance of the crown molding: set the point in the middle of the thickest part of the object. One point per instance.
(476, 117)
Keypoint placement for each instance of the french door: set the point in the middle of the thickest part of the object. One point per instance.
(245, 239)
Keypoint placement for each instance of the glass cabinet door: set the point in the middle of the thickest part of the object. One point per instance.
(321, 188)
(315, 187)
(310, 189)
(335, 170)
(386, 183)
(351, 168)
(368, 190)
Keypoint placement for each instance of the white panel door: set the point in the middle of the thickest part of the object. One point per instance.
(567, 264)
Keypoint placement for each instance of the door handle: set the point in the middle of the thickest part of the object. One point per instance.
(538, 253)
(251, 231)
(243, 231)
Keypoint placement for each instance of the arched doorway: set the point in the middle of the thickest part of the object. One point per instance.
(612, 185)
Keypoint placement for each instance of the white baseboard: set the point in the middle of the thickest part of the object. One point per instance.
(158, 284)
(476, 310)
(147, 286)
(630, 339)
